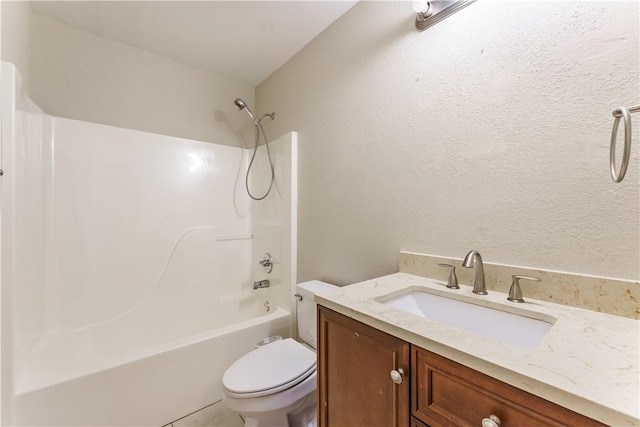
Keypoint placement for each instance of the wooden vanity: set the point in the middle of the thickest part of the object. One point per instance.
(356, 388)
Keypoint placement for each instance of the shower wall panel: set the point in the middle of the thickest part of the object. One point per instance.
(274, 218)
(127, 206)
(102, 223)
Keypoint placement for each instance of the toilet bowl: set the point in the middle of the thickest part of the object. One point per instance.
(267, 384)
(275, 384)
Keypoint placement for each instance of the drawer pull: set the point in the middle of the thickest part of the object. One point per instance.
(492, 421)
(396, 376)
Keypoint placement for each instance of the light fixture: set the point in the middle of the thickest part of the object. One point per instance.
(423, 9)
(430, 13)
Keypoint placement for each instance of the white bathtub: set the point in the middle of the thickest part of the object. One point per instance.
(126, 385)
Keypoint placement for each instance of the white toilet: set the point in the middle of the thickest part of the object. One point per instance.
(275, 385)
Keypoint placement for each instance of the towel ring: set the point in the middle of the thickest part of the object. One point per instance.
(624, 114)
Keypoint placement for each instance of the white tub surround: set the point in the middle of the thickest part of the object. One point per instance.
(607, 295)
(588, 361)
(128, 262)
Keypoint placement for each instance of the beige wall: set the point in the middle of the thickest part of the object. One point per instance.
(489, 131)
(16, 38)
(86, 77)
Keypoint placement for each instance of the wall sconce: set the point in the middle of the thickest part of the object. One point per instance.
(430, 13)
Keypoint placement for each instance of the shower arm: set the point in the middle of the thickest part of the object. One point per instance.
(258, 120)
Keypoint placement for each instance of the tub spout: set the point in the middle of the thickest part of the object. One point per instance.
(261, 284)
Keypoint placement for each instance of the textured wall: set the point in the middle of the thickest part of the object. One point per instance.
(489, 131)
(83, 76)
(16, 38)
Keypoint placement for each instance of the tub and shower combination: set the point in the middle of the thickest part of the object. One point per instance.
(128, 262)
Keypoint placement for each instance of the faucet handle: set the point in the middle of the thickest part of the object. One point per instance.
(452, 281)
(515, 293)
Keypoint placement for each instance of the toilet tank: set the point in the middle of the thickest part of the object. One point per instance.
(307, 319)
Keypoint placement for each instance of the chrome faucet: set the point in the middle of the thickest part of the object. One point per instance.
(479, 284)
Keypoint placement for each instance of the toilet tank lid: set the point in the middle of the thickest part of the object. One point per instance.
(313, 287)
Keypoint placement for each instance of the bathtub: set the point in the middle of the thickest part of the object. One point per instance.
(92, 378)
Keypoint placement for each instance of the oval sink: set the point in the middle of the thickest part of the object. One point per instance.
(509, 328)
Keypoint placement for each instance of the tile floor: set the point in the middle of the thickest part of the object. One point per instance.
(215, 415)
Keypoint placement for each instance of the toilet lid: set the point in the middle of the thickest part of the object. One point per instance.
(276, 366)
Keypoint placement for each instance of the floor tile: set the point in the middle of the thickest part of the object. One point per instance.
(216, 415)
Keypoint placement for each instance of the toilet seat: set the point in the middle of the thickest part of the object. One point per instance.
(269, 369)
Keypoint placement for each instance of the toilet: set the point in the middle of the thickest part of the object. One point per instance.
(275, 385)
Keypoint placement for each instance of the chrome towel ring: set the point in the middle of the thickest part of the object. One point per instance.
(618, 113)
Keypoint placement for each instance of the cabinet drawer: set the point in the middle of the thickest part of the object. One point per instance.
(417, 423)
(448, 394)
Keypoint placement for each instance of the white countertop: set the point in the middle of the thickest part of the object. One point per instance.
(588, 362)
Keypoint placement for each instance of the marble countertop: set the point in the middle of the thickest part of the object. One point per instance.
(588, 361)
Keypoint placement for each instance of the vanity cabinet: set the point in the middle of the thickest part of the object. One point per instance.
(355, 387)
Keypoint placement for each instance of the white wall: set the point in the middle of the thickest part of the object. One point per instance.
(489, 131)
(16, 26)
(86, 77)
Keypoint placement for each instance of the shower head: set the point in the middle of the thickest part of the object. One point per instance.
(240, 105)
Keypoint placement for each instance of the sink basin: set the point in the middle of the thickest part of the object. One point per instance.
(509, 328)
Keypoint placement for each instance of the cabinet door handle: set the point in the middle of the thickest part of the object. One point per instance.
(396, 376)
(492, 421)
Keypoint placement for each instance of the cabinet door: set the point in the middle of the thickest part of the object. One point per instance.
(355, 387)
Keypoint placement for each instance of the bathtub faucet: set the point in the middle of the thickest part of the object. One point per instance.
(260, 284)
